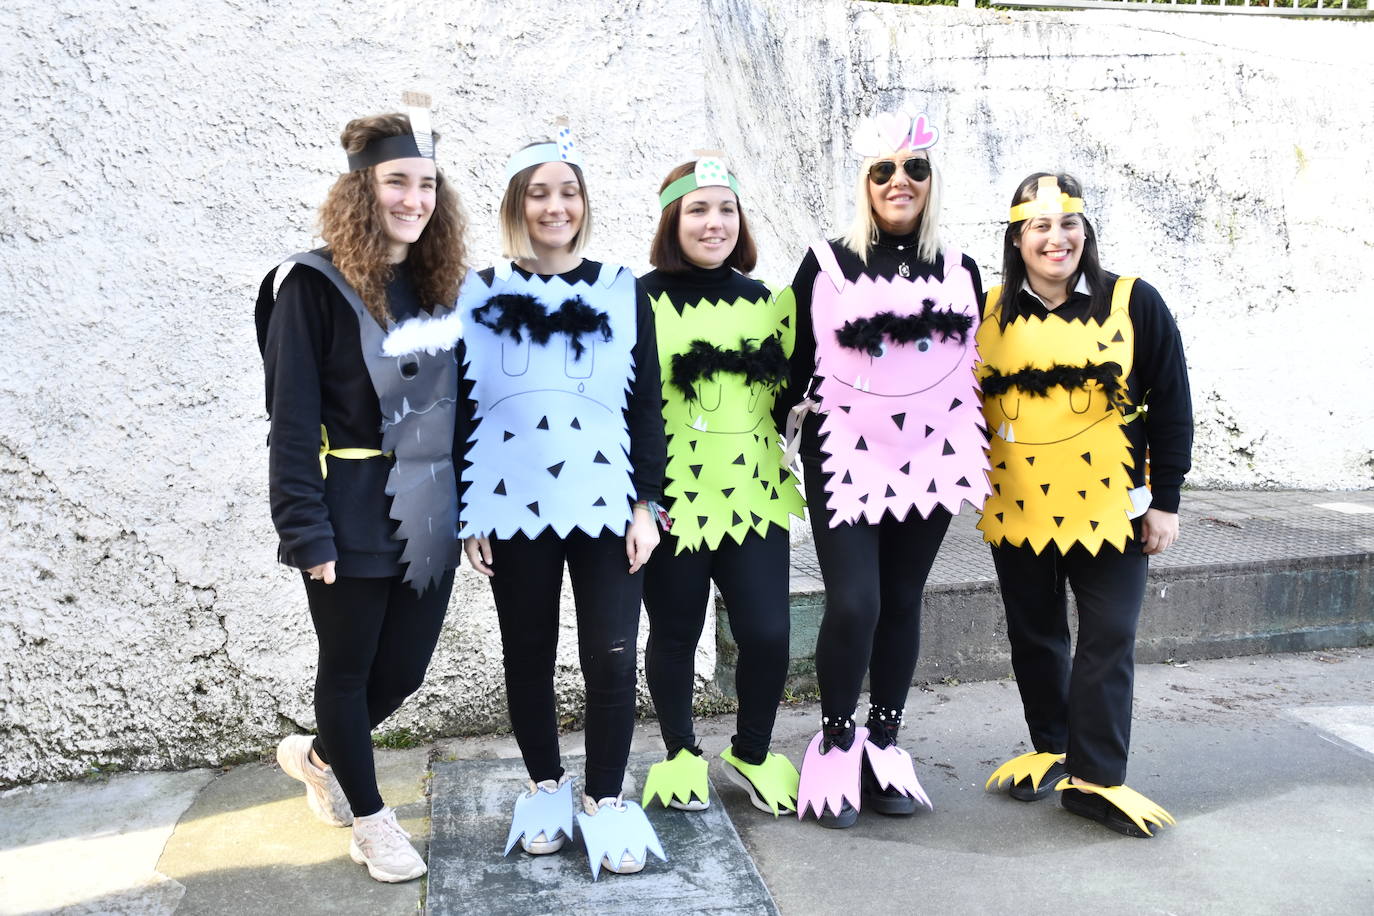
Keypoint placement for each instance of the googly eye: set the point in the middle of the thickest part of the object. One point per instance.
(409, 369)
(923, 344)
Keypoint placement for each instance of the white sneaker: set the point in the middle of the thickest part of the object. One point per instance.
(543, 845)
(384, 847)
(323, 794)
(628, 864)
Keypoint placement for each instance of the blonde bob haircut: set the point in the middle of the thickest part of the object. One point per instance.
(863, 230)
(515, 232)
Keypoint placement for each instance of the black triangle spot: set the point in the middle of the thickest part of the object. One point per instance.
(756, 472)
(739, 460)
(533, 507)
(1082, 494)
(692, 444)
(1058, 520)
(906, 468)
(600, 459)
(929, 430)
(508, 436)
(1020, 504)
(1044, 488)
(948, 449)
(999, 516)
(846, 478)
(845, 408)
(1087, 456)
(500, 488)
(864, 499)
(736, 520)
(727, 491)
(1101, 346)
(701, 520)
(774, 495)
(997, 488)
(576, 423)
(1001, 465)
(1093, 523)
(961, 482)
(690, 494)
(695, 469)
(756, 517)
(786, 321)
(890, 492)
(1030, 459)
(1117, 338)
(555, 469)
(861, 445)
(955, 403)
(600, 501)
(899, 419)
(931, 488)
(1107, 482)
(542, 424)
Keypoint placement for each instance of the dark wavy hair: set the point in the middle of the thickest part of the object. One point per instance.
(351, 225)
(665, 252)
(1014, 266)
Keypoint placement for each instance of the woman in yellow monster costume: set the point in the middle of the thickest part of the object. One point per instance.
(1085, 392)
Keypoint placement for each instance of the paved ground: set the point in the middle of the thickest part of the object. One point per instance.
(1267, 762)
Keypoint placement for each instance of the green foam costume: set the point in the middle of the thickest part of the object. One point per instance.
(725, 469)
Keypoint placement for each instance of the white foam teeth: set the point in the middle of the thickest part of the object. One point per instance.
(1011, 433)
(700, 424)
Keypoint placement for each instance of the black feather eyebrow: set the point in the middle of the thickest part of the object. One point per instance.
(522, 313)
(1038, 382)
(764, 363)
(867, 334)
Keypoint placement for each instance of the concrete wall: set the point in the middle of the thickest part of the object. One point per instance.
(161, 157)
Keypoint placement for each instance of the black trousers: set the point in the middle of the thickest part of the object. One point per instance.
(1079, 705)
(529, 575)
(753, 580)
(376, 638)
(874, 579)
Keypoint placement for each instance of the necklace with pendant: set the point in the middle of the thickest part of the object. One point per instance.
(902, 268)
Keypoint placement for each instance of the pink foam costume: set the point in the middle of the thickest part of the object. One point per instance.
(901, 430)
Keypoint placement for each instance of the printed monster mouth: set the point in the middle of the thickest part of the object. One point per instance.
(702, 425)
(861, 384)
(574, 394)
(1006, 431)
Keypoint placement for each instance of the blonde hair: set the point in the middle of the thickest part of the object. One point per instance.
(863, 229)
(515, 232)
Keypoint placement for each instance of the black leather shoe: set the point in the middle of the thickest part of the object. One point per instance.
(1025, 789)
(1096, 808)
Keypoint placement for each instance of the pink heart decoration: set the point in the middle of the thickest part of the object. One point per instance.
(922, 135)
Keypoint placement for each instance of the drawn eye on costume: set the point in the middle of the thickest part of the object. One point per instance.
(579, 366)
(515, 356)
(708, 395)
(1014, 414)
(1080, 399)
(409, 368)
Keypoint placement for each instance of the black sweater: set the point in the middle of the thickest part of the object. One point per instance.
(1159, 378)
(643, 406)
(315, 375)
(884, 260)
(715, 284)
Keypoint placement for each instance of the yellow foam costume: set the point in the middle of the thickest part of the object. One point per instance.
(1060, 461)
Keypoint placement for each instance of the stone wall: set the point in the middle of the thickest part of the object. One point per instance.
(163, 156)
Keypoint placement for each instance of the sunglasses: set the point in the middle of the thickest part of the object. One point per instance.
(916, 168)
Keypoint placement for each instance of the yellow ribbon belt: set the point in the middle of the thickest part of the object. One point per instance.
(349, 453)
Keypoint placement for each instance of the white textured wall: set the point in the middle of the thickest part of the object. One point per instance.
(162, 156)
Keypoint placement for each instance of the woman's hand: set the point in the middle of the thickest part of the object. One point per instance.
(1158, 531)
(479, 554)
(322, 573)
(642, 537)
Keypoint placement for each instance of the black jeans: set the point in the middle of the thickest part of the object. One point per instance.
(753, 580)
(376, 638)
(1083, 705)
(874, 579)
(529, 575)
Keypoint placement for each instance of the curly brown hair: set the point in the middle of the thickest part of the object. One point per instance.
(351, 225)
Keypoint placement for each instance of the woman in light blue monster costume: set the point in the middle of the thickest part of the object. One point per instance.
(564, 466)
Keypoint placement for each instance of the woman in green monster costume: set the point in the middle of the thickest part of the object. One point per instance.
(723, 343)
(1085, 489)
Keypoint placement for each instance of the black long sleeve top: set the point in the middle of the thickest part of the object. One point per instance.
(643, 406)
(1158, 378)
(315, 375)
(885, 259)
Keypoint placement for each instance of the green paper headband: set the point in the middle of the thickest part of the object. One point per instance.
(710, 172)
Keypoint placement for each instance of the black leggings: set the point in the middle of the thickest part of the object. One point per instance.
(376, 638)
(874, 578)
(529, 576)
(1080, 705)
(753, 580)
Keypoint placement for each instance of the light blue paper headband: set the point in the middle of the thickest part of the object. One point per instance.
(561, 150)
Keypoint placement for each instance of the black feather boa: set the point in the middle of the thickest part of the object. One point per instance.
(867, 333)
(520, 312)
(1038, 382)
(762, 363)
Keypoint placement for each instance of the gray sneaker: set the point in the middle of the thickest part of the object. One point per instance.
(323, 794)
(384, 847)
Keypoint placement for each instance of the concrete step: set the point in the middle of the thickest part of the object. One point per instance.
(1252, 572)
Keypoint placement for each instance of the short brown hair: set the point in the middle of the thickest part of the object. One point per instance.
(515, 234)
(665, 252)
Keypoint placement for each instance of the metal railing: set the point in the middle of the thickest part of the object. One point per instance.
(1352, 8)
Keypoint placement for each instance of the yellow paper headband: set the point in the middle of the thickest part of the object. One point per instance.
(1048, 199)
